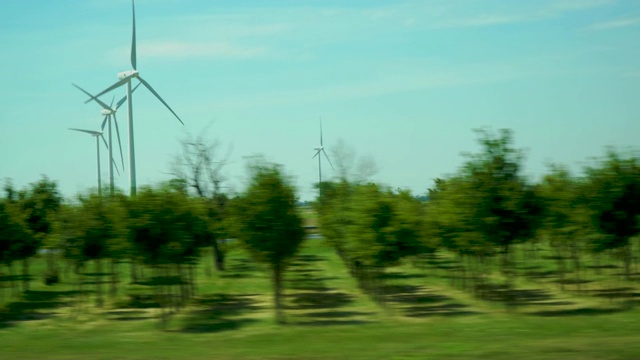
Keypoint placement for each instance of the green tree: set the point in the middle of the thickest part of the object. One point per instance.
(371, 228)
(94, 230)
(614, 192)
(13, 236)
(566, 217)
(164, 230)
(39, 204)
(488, 206)
(198, 169)
(267, 222)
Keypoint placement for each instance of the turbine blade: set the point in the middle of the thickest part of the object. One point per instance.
(105, 141)
(115, 121)
(92, 132)
(159, 98)
(133, 36)
(112, 98)
(321, 132)
(104, 106)
(114, 86)
(327, 156)
(124, 98)
(116, 166)
(104, 122)
(314, 156)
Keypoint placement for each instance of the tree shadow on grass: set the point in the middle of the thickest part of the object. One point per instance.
(542, 274)
(604, 266)
(331, 322)
(310, 258)
(573, 281)
(616, 293)
(446, 309)
(443, 263)
(219, 312)
(239, 268)
(128, 315)
(585, 311)
(400, 276)
(139, 301)
(303, 286)
(318, 300)
(97, 274)
(10, 278)
(162, 280)
(333, 317)
(34, 305)
(516, 297)
(311, 293)
(415, 301)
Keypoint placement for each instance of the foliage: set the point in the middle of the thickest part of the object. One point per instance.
(614, 189)
(267, 222)
(163, 226)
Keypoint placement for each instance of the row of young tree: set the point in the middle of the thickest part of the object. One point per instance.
(162, 229)
(482, 211)
(479, 214)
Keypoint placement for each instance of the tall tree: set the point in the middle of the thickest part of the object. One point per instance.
(164, 228)
(13, 236)
(199, 169)
(566, 217)
(267, 222)
(39, 202)
(614, 192)
(488, 206)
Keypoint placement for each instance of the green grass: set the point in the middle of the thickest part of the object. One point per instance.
(429, 316)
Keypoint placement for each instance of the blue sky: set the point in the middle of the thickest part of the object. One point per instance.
(400, 82)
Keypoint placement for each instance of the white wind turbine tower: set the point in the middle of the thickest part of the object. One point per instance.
(319, 150)
(97, 135)
(125, 78)
(109, 111)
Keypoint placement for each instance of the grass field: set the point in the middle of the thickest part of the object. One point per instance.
(428, 317)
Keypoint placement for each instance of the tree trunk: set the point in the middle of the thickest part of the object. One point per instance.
(218, 255)
(12, 277)
(576, 263)
(134, 274)
(25, 274)
(561, 267)
(192, 279)
(114, 279)
(277, 293)
(627, 261)
(98, 280)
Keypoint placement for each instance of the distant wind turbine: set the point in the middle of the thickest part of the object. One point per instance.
(109, 111)
(319, 150)
(97, 135)
(125, 78)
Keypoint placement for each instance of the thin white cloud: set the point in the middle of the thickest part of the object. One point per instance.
(380, 85)
(614, 24)
(485, 20)
(577, 5)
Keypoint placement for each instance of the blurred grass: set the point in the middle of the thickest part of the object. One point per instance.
(429, 315)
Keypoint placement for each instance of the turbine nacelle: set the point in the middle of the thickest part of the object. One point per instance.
(127, 74)
(107, 112)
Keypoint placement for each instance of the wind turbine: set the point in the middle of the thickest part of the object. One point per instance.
(125, 78)
(319, 150)
(97, 135)
(109, 111)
